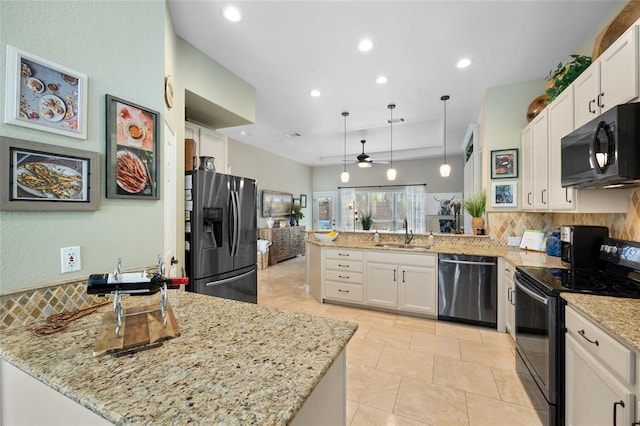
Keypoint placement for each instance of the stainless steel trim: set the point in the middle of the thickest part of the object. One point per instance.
(467, 262)
(536, 296)
(228, 280)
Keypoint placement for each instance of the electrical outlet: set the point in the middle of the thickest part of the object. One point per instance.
(70, 259)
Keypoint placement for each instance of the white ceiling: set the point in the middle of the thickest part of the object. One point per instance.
(287, 48)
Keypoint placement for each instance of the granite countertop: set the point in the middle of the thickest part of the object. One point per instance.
(234, 363)
(513, 255)
(618, 316)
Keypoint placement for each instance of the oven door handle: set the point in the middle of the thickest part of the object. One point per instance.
(536, 296)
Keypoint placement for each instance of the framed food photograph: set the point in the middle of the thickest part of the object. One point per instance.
(276, 204)
(45, 96)
(504, 163)
(132, 150)
(504, 194)
(37, 176)
(303, 201)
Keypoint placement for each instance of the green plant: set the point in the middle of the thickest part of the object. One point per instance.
(296, 212)
(475, 204)
(366, 221)
(560, 78)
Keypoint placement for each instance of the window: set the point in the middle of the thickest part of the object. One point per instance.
(389, 206)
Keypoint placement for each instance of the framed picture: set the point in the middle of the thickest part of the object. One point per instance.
(303, 201)
(276, 204)
(504, 194)
(38, 176)
(296, 202)
(132, 150)
(504, 163)
(45, 96)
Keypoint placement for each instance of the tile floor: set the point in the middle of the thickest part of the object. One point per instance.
(409, 371)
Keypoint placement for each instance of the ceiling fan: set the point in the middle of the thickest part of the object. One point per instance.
(364, 160)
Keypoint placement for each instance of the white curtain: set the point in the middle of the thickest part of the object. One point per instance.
(416, 213)
(347, 198)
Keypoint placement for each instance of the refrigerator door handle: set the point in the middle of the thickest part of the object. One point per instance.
(235, 223)
(228, 280)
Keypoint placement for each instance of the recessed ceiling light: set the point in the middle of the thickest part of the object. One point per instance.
(315, 93)
(463, 63)
(382, 79)
(365, 45)
(232, 14)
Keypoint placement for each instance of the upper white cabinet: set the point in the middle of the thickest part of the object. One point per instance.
(208, 143)
(539, 138)
(527, 169)
(560, 124)
(611, 80)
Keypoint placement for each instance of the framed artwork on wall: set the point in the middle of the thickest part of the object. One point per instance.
(303, 201)
(132, 150)
(276, 204)
(504, 194)
(504, 163)
(38, 176)
(45, 96)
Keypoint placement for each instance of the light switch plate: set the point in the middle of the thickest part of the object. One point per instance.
(514, 241)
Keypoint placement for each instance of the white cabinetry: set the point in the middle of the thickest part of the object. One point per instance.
(406, 282)
(509, 299)
(539, 138)
(611, 80)
(560, 123)
(210, 144)
(343, 273)
(600, 374)
(527, 169)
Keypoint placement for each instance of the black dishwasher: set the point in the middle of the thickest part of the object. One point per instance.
(467, 289)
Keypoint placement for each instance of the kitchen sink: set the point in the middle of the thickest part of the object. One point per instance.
(402, 246)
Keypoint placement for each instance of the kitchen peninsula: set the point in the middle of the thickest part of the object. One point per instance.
(234, 363)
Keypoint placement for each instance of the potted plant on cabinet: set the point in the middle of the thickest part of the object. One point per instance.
(296, 215)
(366, 221)
(475, 205)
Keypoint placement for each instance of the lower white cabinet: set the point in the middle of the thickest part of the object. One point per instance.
(343, 275)
(600, 376)
(405, 282)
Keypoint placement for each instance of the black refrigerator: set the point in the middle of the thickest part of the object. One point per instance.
(220, 233)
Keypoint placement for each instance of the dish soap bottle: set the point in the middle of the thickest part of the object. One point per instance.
(431, 240)
(376, 237)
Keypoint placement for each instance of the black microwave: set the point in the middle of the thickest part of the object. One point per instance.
(605, 152)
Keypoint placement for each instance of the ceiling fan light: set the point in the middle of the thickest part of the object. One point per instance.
(232, 14)
(364, 164)
(391, 174)
(344, 177)
(445, 170)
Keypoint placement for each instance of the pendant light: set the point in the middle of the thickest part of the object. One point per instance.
(445, 169)
(391, 172)
(344, 177)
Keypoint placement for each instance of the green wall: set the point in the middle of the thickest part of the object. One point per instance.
(120, 47)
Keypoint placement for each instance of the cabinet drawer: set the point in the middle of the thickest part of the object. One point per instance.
(427, 259)
(344, 265)
(344, 254)
(617, 357)
(344, 277)
(346, 292)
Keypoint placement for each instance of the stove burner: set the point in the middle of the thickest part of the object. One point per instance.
(628, 290)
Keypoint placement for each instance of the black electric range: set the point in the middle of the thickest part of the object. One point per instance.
(539, 319)
(617, 275)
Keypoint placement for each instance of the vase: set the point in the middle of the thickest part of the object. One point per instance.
(292, 221)
(477, 224)
(270, 222)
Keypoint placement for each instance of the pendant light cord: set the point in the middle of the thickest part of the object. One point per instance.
(391, 107)
(445, 98)
(345, 115)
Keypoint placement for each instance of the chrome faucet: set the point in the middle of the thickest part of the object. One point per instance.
(407, 237)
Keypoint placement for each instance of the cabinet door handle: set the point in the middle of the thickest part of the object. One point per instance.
(394, 275)
(582, 333)
(592, 110)
(509, 294)
(543, 191)
(600, 96)
(343, 291)
(566, 196)
(615, 407)
(344, 277)
(529, 198)
(403, 276)
(343, 266)
(343, 254)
